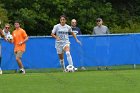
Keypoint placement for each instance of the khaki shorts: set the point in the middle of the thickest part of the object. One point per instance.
(19, 54)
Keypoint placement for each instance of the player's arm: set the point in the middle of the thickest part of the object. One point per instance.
(53, 33)
(54, 36)
(74, 35)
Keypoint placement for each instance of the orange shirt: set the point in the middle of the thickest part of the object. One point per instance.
(18, 36)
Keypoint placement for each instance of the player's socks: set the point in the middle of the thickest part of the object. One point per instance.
(62, 64)
(69, 58)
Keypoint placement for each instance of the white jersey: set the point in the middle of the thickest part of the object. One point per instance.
(62, 32)
(6, 34)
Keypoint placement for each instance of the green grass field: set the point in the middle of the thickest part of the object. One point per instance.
(112, 81)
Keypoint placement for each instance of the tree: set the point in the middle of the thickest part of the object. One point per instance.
(39, 16)
(3, 16)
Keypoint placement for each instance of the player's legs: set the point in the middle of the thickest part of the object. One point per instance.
(61, 58)
(60, 53)
(18, 59)
(67, 50)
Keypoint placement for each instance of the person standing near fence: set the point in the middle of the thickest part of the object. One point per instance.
(61, 33)
(100, 29)
(6, 30)
(77, 31)
(19, 39)
(74, 27)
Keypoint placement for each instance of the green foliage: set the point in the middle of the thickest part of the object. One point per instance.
(3, 16)
(134, 28)
(39, 16)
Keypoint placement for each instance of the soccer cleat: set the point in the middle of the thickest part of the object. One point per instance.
(0, 72)
(75, 69)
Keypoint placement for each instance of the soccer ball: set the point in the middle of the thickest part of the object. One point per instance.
(9, 37)
(70, 68)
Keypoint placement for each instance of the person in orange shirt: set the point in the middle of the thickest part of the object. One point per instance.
(19, 39)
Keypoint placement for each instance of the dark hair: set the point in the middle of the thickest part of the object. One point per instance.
(17, 21)
(63, 16)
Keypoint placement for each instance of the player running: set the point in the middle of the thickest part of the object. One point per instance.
(61, 33)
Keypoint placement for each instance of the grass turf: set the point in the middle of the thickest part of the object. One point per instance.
(113, 81)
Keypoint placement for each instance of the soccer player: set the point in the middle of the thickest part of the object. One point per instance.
(61, 33)
(2, 35)
(19, 39)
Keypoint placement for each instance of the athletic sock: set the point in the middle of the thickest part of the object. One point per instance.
(62, 64)
(69, 58)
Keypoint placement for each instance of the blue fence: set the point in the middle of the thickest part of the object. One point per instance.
(102, 50)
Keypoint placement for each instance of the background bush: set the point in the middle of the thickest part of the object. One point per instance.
(39, 16)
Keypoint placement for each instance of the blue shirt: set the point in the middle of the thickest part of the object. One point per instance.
(76, 30)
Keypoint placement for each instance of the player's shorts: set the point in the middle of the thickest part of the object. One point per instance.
(60, 46)
(19, 54)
